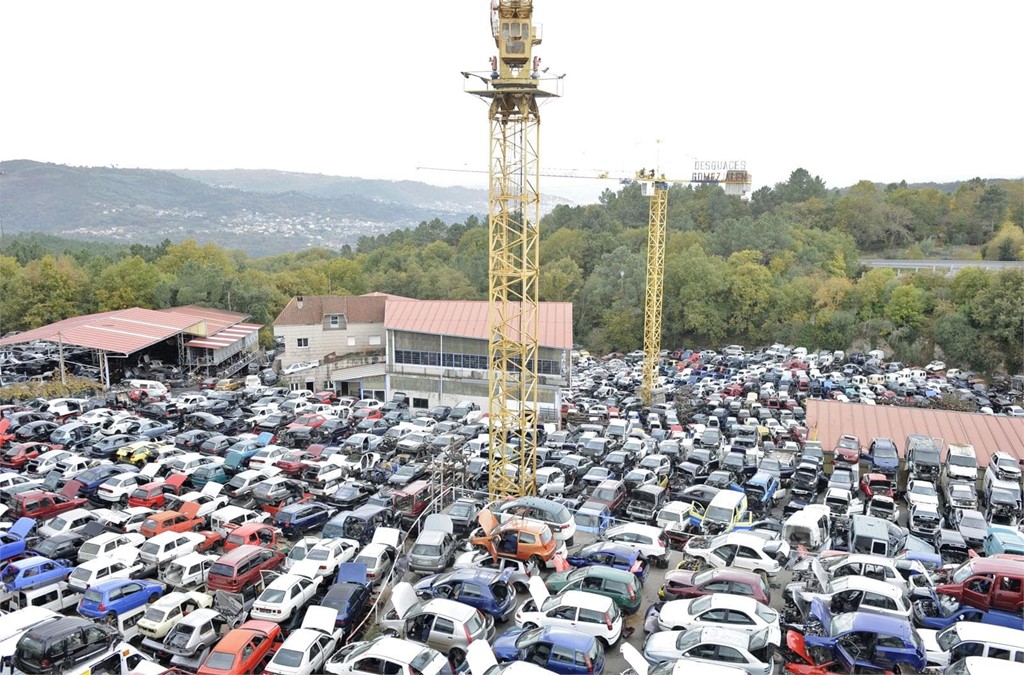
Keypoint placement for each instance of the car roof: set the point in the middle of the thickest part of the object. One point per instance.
(881, 623)
(727, 498)
(587, 600)
(58, 627)
(395, 649)
(567, 637)
(724, 636)
(969, 630)
(730, 601)
(606, 572)
(449, 608)
(865, 584)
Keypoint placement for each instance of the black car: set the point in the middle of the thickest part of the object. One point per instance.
(351, 495)
(274, 422)
(463, 514)
(406, 474)
(64, 545)
(58, 646)
(439, 412)
(333, 431)
(700, 494)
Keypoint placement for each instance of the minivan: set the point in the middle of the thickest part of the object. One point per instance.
(240, 567)
(151, 388)
(967, 638)
(412, 500)
(57, 646)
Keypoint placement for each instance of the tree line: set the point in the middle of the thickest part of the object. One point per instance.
(781, 267)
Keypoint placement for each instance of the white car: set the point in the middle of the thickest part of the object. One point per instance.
(724, 610)
(189, 571)
(267, 457)
(712, 645)
(299, 367)
(329, 553)
(122, 563)
(66, 522)
(287, 594)
(225, 519)
(678, 667)
(921, 492)
(872, 566)
(307, 649)
(860, 594)
(103, 544)
(379, 555)
(648, 540)
(209, 499)
(842, 502)
(588, 613)
(299, 551)
(388, 655)
(169, 545)
(161, 616)
(741, 550)
(127, 520)
(674, 516)
(119, 487)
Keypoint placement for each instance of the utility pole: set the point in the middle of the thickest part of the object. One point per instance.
(60, 356)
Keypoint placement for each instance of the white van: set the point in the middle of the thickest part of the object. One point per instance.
(55, 597)
(966, 638)
(151, 388)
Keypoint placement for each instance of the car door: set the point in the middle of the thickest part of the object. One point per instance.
(561, 615)
(747, 558)
(442, 634)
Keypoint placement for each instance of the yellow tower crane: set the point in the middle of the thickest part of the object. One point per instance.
(512, 90)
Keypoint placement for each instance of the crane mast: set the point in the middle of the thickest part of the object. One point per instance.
(657, 190)
(513, 249)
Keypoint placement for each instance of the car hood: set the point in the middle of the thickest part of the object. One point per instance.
(504, 646)
(663, 642)
(928, 639)
(683, 577)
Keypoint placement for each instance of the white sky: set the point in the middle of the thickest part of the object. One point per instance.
(849, 90)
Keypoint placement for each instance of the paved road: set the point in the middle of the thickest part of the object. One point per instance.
(950, 266)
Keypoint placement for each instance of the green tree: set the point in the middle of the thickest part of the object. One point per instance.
(130, 282)
(560, 281)
(906, 307)
(47, 290)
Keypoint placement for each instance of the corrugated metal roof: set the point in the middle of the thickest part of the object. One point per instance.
(987, 433)
(123, 331)
(216, 320)
(469, 318)
(226, 337)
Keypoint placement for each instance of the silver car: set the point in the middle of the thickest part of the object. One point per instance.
(445, 625)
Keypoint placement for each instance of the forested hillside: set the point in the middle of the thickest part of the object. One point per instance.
(782, 267)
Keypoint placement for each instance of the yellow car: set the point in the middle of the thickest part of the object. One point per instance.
(726, 512)
(227, 385)
(128, 452)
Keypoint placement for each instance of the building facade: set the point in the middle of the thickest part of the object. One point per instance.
(435, 351)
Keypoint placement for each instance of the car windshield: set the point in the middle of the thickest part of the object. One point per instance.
(973, 520)
(687, 639)
(81, 574)
(93, 595)
(151, 547)
(925, 489)
(718, 514)
(963, 460)
(89, 550)
(319, 554)
(272, 595)
(289, 658)
(460, 510)
(155, 614)
(220, 661)
(948, 639)
(700, 604)
(426, 549)
(58, 524)
(842, 623)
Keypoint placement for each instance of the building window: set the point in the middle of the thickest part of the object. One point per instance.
(335, 321)
(420, 403)
(468, 361)
(301, 342)
(351, 341)
(374, 340)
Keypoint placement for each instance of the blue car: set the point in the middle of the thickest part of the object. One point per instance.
(882, 457)
(12, 542)
(1002, 539)
(296, 519)
(485, 589)
(760, 490)
(619, 556)
(894, 643)
(110, 598)
(550, 648)
(935, 615)
(34, 572)
(350, 595)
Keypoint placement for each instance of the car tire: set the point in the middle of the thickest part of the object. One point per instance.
(663, 562)
(538, 561)
(123, 501)
(456, 655)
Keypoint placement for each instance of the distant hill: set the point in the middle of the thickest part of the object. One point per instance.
(261, 212)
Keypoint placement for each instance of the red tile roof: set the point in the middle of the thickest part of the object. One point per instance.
(469, 318)
(987, 433)
(356, 308)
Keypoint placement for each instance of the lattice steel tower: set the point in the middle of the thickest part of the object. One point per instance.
(657, 189)
(512, 88)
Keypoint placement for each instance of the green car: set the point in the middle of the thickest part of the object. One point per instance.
(622, 586)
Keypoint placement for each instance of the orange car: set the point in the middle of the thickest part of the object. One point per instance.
(184, 520)
(254, 534)
(246, 649)
(516, 538)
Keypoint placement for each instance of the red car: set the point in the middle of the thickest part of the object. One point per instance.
(847, 449)
(687, 584)
(254, 534)
(246, 649)
(326, 396)
(154, 495)
(872, 484)
(185, 520)
(20, 454)
(311, 420)
(293, 463)
(42, 505)
(996, 582)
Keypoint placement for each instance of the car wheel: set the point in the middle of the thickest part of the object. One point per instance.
(529, 625)
(538, 561)
(456, 656)
(663, 562)
(123, 501)
(390, 632)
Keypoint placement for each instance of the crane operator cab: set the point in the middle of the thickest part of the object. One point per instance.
(514, 33)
